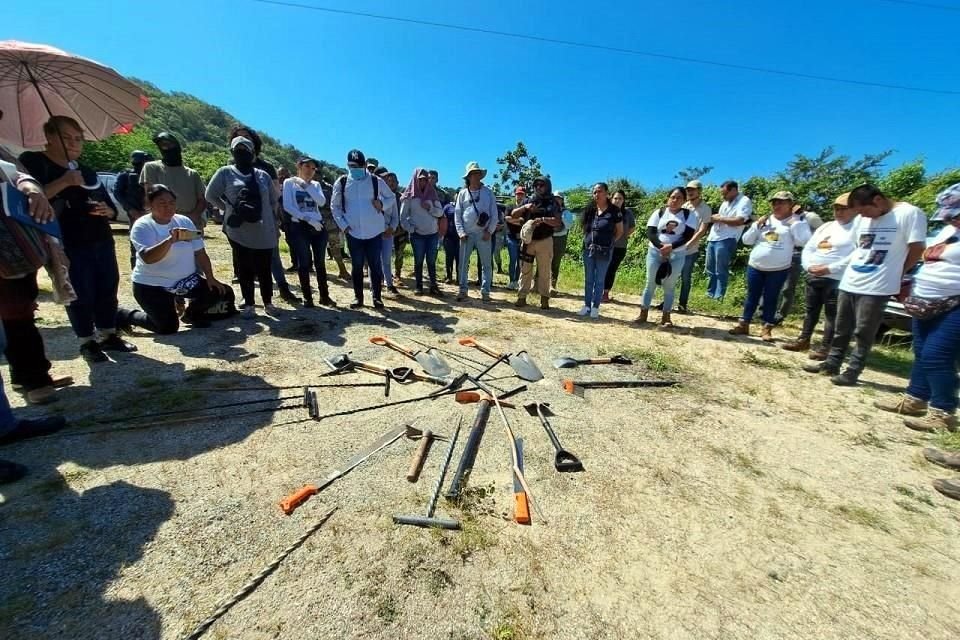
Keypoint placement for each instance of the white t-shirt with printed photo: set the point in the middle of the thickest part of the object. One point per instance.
(670, 226)
(179, 262)
(939, 276)
(876, 264)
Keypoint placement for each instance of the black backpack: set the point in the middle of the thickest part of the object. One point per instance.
(342, 183)
(248, 207)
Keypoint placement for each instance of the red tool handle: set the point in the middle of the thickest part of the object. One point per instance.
(289, 504)
(470, 342)
(384, 341)
(413, 474)
(521, 508)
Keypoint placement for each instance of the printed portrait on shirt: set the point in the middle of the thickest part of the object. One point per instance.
(935, 253)
(825, 245)
(866, 240)
(304, 201)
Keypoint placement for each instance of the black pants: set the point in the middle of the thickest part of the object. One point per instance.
(789, 293)
(29, 366)
(159, 306)
(253, 264)
(309, 246)
(619, 253)
(858, 318)
(821, 295)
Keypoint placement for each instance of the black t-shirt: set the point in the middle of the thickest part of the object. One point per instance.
(599, 228)
(513, 230)
(547, 209)
(73, 204)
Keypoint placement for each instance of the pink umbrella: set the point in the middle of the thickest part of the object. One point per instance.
(37, 81)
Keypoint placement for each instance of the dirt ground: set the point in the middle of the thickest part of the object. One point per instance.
(753, 501)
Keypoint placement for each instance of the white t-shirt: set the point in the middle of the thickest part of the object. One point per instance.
(831, 245)
(179, 261)
(698, 216)
(876, 264)
(939, 277)
(773, 243)
(741, 207)
(670, 227)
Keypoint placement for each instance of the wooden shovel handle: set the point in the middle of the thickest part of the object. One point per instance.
(384, 341)
(599, 361)
(470, 342)
(413, 474)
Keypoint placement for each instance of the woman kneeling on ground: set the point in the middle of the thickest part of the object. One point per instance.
(669, 232)
(602, 226)
(170, 261)
(773, 238)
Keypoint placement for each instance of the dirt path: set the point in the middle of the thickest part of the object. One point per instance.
(754, 501)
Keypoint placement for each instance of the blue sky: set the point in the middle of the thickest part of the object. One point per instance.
(414, 95)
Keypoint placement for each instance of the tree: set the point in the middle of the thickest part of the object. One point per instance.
(518, 168)
(904, 180)
(692, 173)
(816, 181)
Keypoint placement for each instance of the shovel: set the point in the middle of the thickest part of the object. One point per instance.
(521, 362)
(430, 359)
(577, 387)
(564, 461)
(570, 363)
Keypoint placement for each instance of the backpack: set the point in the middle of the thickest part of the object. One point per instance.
(248, 207)
(22, 249)
(223, 304)
(342, 183)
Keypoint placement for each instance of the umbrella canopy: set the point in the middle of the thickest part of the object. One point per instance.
(37, 81)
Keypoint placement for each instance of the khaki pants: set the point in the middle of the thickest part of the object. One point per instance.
(542, 252)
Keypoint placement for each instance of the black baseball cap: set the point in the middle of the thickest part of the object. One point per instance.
(356, 157)
(306, 159)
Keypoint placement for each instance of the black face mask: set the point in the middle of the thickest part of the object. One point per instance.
(172, 157)
(243, 159)
(138, 167)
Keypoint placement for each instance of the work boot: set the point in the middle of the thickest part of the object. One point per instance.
(935, 420)
(826, 368)
(287, 296)
(766, 333)
(114, 342)
(800, 344)
(818, 354)
(742, 329)
(521, 302)
(544, 302)
(949, 488)
(904, 404)
(92, 352)
(848, 378)
(642, 318)
(435, 291)
(41, 395)
(665, 321)
(942, 458)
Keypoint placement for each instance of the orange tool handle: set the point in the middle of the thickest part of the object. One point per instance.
(568, 386)
(384, 341)
(521, 508)
(470, 342)
(413, 474)
(469, 397)
(599, 361)
(289, 504)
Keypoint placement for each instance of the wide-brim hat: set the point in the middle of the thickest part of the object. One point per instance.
(784, 196)
(474, 166)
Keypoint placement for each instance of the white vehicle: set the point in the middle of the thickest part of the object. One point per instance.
(108, 180)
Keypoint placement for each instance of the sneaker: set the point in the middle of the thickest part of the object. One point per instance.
(114, 342)
(766, 333)
(800, 344)
(949, 488)
(27, 428)
(435, 291)
(485, 298)
(584, 311)
(521, 302)
(271, 309)
(658, 307)
(846, 379)
(824, 368)
(392, 290)
(595, 313)
(449, 280)
(935, 420)
(327, 301)
(247, 312)
(742, 329)
(378, 303)
(287, 296)
(356, 304)
(92, 352)
(942, 458)
(11, 471)
(41, 395)
(544, 302)
(904, 404)
(682, 309)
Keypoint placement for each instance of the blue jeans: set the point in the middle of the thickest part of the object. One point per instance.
(7, 421)
(367, 251)
(686, 278)
(276, 268)
(95, 278)
(483, 247)
(669, 284)
(451, 250)
(766, 285)
(309, 248)
(594, 272)
(936, 347)
(513, 251)
(719, 255)
(386, 259)
(425, 247)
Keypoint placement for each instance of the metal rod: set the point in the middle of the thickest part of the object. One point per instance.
(194, 410)
(292, 386)
(438, 484)
(495, 363)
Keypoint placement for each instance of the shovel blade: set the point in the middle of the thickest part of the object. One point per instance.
(432, 363)
(525, 367)
(566, 462)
